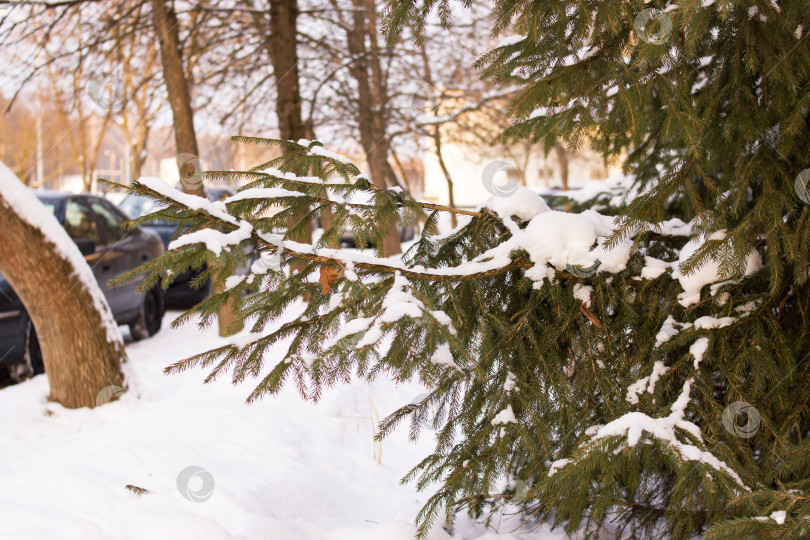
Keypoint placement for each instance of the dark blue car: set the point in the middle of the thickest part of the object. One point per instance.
(94, 224)
(180, 293)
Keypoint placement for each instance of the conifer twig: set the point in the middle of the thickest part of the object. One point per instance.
(590, 315)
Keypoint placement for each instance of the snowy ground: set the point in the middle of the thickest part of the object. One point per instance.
(281, 469)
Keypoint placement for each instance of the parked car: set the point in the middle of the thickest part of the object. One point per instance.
(94, 224)
(180, 293)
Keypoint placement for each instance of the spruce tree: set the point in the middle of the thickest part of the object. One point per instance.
(642, 358)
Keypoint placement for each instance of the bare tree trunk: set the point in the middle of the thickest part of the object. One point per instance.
(185, 138)
(371, 104)
(562, 157)
(79, 359)
(282, 46)
(138, 150)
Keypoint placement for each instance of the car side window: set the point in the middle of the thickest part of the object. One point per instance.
(110, 222)
(79, 222)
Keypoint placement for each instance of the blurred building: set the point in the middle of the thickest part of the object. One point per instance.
(479, 171)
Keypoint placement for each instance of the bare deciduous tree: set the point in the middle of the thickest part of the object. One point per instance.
(80, 356)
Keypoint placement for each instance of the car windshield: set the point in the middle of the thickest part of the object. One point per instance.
(136, 206)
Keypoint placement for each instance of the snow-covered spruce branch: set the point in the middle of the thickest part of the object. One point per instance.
(215, 241)
(398, 302)
(633, 425)
(496, 261)
(267, 193)
(518, 322)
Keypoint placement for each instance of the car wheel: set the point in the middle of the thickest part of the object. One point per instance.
(151, 317)
(33, 353)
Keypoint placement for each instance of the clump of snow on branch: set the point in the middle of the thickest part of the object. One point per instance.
(583, 293)
(510, 40)
(511, 382)
(523, 203)
(709, 271)
(654, 267)
(646, 384)
(398, 303)
(778, 516)
(262, 193)
(506, 416)
(560, 239)
(668, 330)
(215, 241)
(443, 356)
(215, 209)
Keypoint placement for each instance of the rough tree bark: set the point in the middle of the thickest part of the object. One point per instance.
(79, 359)
(371, 102)
(278, 26)
(281, 44)
(185, 138)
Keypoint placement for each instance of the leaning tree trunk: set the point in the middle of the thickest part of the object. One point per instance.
(81, 348)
